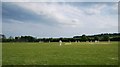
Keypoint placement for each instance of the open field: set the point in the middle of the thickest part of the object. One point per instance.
(83, 53)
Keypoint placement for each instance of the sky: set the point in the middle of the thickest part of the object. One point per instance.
(59, 0)
(59, 19)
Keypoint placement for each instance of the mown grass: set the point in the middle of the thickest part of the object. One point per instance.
(0, 54)
(83, 53)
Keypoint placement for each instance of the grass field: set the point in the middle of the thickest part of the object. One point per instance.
(83, 53)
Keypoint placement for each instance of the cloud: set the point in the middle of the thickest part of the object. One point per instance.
(60, 0)
(22, 15)
(60, 19)
(96, 9)
(0, 18)
(65, 14)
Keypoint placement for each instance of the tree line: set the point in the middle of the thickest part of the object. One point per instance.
(82, 38)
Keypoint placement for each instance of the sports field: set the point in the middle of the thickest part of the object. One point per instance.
(82, 53)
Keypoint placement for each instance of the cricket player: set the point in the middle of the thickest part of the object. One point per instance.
(60, 42)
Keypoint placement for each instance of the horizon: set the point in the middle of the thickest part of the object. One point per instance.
(61, 36)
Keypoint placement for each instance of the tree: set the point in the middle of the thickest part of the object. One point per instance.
(10, 37)
(50, 39)
(106, 38)
(96, 38)
(60, 38)
(3, 36)
(17, 39)
(83, 38)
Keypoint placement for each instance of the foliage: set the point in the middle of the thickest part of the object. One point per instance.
(83, 38)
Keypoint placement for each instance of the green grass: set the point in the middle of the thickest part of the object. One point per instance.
(0, 54)
(83, 53)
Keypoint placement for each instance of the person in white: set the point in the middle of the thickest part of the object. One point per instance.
(60, 42)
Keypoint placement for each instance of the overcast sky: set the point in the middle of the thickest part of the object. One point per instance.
(59, 19)
(59, 0)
